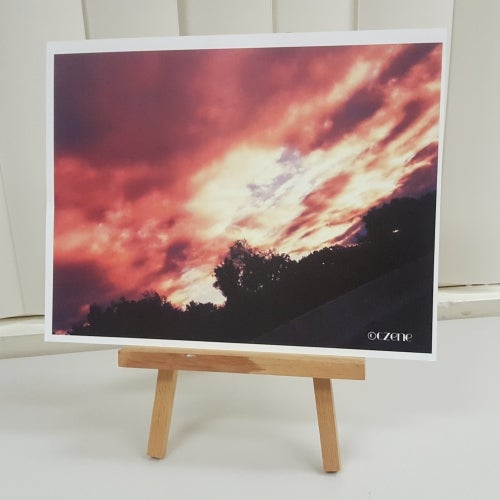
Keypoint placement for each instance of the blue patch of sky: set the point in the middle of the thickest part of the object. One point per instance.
(291, 162)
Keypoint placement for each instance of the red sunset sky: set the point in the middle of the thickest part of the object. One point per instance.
(164, 158)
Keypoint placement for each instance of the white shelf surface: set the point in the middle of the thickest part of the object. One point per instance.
(76, 426)
(469, 301)
(24, 336)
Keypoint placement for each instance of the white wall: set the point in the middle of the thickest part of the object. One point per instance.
(470, 241)
(25, 26)
(470, 227)
(130, 18)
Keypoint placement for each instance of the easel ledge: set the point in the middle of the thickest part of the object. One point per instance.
(295, 365)
(169, 361)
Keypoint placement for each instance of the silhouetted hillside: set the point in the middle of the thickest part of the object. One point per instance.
(400, 301)
(274, 299)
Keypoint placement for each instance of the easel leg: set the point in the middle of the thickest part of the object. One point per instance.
(162, 413)
(327, 424)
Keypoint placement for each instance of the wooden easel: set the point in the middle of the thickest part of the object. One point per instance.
(168, 361)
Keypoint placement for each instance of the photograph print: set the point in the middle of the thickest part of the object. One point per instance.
(255, 193)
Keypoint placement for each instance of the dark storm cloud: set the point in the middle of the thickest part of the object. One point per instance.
(130, 107)
(361, 106)
(123, 107)
(417, 183)
(135, 188)
(411, 112)
(406, 60)
(317, 203)
(76, 284)
(75, 88)
(428, 154)
(177, 253)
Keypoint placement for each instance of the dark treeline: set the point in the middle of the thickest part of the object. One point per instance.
(264, 289)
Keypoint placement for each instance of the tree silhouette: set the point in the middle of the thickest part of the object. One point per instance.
(246, 270)
(264, 289)
(152, 316)
(400, 230)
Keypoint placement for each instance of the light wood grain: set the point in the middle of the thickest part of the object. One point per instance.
(320, 368)
(327, 424)
(296, 365)
(162, 413)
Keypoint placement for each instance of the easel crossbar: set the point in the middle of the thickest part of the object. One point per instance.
(320, 366)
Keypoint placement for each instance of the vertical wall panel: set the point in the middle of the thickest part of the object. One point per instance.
(24, 29)
(130, 18)
(396, 14)
(11, 303)
(313, 15)
(470, 227)
(217, 17)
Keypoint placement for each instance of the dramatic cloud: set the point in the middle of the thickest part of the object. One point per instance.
(76, 286)
(405, 60)
(362, 105)
(164, 159)
(176, 255)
